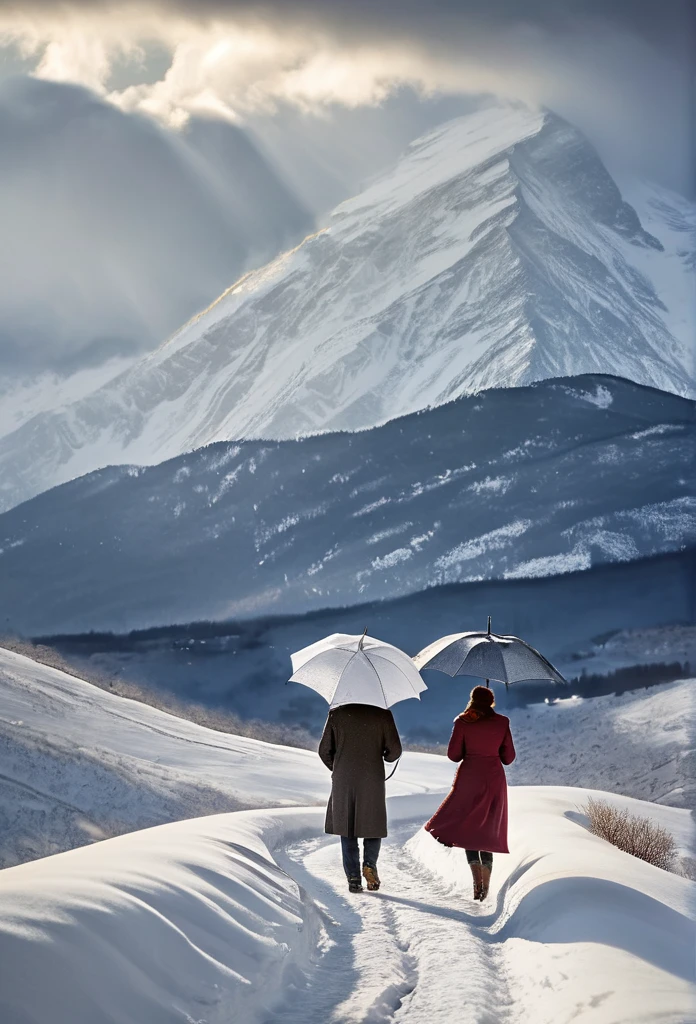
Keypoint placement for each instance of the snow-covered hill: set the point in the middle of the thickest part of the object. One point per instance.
(79, 764)
(640, 743)
(498, 251)
(245, 916)
(511, 483)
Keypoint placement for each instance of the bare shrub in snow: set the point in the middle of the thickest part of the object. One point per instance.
(641, 837)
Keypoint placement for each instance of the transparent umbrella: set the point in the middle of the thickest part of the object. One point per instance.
(488, 655)
(347, 669)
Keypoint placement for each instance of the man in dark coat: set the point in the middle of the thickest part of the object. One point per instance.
(357, 740)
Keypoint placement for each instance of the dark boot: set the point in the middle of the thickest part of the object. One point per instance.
(485, 881)
(355, 885)
(371, 877)
(476, 870)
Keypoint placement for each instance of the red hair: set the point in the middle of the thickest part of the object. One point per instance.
(480, 704)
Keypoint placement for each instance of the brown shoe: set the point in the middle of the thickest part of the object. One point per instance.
(476, 870)
(485, 881)
(371, 877)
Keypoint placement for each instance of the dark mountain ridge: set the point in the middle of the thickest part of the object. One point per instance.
(510, 483)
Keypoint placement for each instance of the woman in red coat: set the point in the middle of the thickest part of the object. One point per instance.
(474, 813)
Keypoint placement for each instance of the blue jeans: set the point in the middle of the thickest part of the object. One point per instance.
(351, 855)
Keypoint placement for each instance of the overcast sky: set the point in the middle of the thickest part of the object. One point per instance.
(310, 96)
(621, 68)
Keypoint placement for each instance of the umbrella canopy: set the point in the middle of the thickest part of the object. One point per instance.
(489, 655)
(348, 669)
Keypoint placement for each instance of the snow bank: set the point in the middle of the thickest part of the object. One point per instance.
(585, 931)
(79, 764)
(194, 921)
(189, 922)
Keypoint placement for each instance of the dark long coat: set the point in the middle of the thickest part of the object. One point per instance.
(357, 740)
(474, 814)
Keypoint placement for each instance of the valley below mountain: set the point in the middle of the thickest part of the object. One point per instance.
(243, 666)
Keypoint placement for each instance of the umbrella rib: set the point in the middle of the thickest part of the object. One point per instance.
(541, 656)
(378, 679)
(340, 677)
(398, 669)
(542, 659)
(461, 664)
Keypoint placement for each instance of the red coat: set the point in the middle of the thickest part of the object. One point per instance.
(474, 813)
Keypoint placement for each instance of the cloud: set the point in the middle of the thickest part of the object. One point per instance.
(619, 70)
(115, 231)
(116, 228)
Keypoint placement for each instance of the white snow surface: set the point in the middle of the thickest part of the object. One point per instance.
(497, 252)
(641, 743)
(244, 916)
(24, 397)
(672, 219)
(628, 647)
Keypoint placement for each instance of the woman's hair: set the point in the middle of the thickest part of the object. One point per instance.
(480, 704)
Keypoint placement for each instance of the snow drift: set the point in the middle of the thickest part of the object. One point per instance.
(196, 922)
(587, 932)
(190, 922)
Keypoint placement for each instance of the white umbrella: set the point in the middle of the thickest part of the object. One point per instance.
(348, 669)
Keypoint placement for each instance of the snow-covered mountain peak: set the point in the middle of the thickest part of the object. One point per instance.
(497, 252)
(480, 146)
(446, 153)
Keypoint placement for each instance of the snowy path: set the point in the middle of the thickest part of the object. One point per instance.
(565, 935)
(246, 917)
(396, 954)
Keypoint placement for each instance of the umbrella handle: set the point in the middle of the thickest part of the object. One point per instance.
(393, 769)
